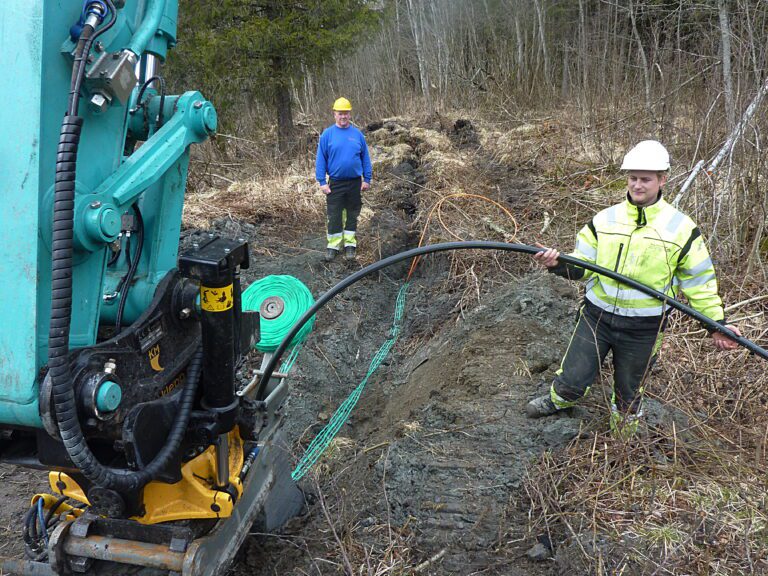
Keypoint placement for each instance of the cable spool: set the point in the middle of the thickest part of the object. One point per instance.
(281, 301)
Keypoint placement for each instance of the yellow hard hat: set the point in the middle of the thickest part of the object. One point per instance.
(342, 105)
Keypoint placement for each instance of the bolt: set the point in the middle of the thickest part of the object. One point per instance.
(226, 250)
(95, 204)
(103, 73)
(116, 56)
(99, 47)
(211, 234)
(185, 313)
(99, 103)
(198, 104)
(110, 366)
(195, 245)
(241, 239)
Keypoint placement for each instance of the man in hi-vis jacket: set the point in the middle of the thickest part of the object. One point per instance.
(646, 239)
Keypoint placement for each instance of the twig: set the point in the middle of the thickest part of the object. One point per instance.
(745, 302)
(427, 563)
(342, 549)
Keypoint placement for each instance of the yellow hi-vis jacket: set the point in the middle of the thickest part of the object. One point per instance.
(658, 246)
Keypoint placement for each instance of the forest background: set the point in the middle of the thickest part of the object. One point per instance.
(682, 72)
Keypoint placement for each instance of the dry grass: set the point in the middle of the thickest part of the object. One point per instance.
(292, 197)
(681, 498)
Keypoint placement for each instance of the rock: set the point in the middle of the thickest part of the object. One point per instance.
(561, 431)
(539, 553)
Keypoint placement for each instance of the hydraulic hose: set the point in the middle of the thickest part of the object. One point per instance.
(125, 283)
(61, 306)
(484, 245)
(153, 14)
(161, 81)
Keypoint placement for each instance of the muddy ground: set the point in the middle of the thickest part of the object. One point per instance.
(428, 475)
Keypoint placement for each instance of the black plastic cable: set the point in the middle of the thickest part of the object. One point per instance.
(125, 282)
(482, 245)
(53, 509)
(114, 256)
(161, 81)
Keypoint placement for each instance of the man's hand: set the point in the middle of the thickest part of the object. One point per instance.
(546, 258)
(325, 189)
(722, 342)
(365, 186)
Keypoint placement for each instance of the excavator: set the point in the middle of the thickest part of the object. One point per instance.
(121, 356)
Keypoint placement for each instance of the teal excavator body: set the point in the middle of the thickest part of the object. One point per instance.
(121, 360)
(37, 53)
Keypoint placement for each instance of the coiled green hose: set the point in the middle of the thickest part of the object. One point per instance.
(296, 299)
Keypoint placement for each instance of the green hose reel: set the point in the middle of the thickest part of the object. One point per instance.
(280, 301)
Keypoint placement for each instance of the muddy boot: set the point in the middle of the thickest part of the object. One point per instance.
(349, 253)
(330, 254)
(541, 406)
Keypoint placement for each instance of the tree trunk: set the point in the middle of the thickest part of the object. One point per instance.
(583, 62)
(520, 49)
(414, 16)
(542, 40)
(725, 51)
(283, 106)
(643, 60)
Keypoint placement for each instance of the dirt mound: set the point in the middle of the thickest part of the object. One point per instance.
(437, 448)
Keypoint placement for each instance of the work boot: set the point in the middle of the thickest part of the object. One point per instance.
(541, 406)
(330, 254)
(349, 253)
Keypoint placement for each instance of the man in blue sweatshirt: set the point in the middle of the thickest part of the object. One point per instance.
(342, 156)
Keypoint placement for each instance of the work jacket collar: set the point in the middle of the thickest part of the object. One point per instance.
(640, 215)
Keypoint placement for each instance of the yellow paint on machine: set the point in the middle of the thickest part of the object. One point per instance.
(216, 299)
(194, 497)
(154, 358)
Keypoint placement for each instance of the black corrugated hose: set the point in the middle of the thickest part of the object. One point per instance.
(61, 308)
(486, 245)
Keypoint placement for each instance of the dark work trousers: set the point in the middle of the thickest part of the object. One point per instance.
(343, 201)
(634, 352)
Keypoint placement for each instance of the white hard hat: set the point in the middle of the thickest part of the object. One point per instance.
(647, 155)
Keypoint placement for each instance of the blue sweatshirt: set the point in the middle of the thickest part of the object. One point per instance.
(342, 154)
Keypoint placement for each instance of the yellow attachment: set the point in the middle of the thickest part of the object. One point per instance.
(342, 105)
(194, 497)
(49, 501)
(63, 485)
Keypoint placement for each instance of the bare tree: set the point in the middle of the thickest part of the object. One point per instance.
(725, 51)
(416, 20)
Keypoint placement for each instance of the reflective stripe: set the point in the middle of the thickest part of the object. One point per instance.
(588, 251)
(627, 293)
(699, 268)
(560, 402)
(349, 238)
(612, 215)
(619, 311)
(697, 281)
(675, 222)
(334, 241)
